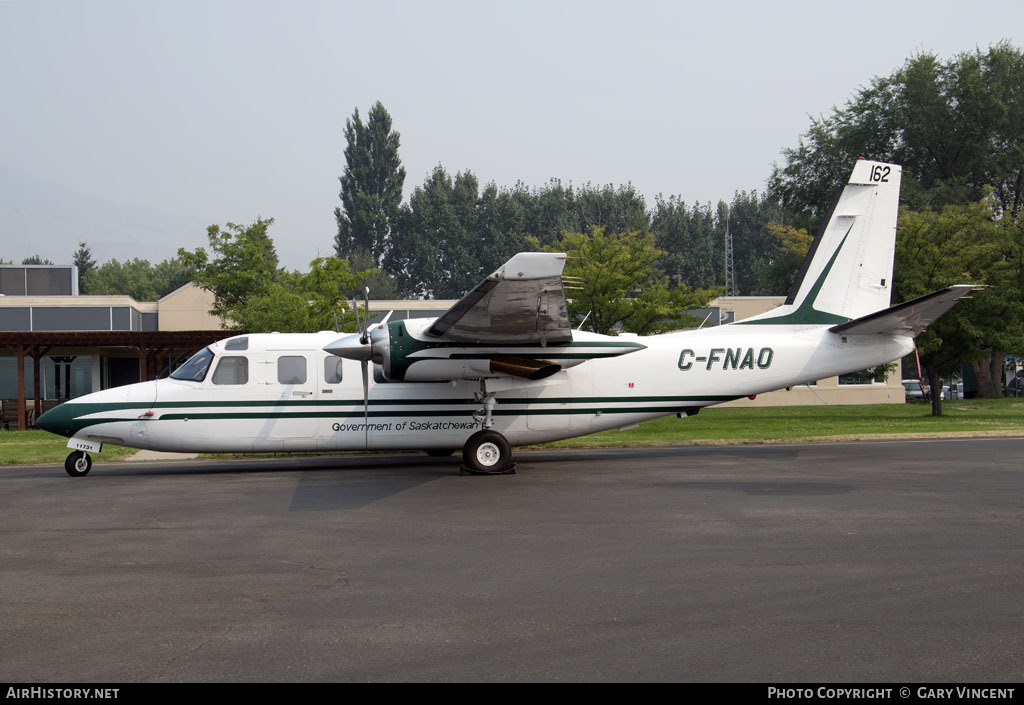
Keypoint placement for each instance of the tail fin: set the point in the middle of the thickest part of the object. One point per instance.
(848, 272)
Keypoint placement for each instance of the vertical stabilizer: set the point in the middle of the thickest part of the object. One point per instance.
(848, 271)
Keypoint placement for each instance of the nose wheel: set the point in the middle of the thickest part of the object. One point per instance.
(487, 453)
(78, 464)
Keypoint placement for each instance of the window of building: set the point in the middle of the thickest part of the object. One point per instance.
(232, 369)
(67, 376)
(291, 369)
(872, 375)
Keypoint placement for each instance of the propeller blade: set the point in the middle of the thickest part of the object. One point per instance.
(366, 315)
(387, 317)
(360, 326)
(366, 404)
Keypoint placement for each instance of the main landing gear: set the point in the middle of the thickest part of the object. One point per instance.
(487, 453)
(78, 463)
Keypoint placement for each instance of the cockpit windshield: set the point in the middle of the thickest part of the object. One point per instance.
(195, 369)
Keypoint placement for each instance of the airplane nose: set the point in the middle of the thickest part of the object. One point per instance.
(57, 420)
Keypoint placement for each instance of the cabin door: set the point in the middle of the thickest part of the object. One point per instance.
(292, 374)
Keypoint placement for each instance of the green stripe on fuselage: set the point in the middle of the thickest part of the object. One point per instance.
(73, 415)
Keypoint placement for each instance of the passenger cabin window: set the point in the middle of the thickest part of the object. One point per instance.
(332, 369)
(291, 369)
(232, 369)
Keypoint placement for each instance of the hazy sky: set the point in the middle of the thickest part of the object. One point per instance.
(133, 125)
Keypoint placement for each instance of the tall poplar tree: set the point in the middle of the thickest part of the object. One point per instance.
(371, 186)
(85, 263)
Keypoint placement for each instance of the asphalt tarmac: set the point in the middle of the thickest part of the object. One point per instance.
(868, 561)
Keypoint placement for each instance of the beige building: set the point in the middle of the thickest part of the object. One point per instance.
(187, 308)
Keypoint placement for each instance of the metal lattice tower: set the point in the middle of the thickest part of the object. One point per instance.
(730, 275)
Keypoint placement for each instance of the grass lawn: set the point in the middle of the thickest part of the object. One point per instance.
(40, 447)
(776, 424)
(779, 424)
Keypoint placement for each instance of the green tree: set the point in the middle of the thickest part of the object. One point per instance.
(959, 244)
(85, 263)
(35, 259)
(250, 291)
(436, 248)
(500, 225)
(297, 302)
(794, 243)
(621, 286)
(371, 186)
(954, 126)
(755, 247)
(136, 278)
(170, 275)
(245, 265)
(381, 284)
(132, 278)
(451, 234)
(694, 251)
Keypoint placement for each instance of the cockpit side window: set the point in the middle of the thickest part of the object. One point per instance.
(232, 369)
(195, 369)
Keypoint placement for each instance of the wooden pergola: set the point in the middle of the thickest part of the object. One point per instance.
(150, 345)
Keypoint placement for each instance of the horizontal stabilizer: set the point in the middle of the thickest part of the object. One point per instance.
(909, 318)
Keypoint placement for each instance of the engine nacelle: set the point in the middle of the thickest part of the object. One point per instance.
(405, 351)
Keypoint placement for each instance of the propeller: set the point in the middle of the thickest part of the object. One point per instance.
(364, 345)
(364, 364)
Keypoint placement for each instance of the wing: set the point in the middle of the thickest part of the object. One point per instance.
(908, 318)
(520, 303)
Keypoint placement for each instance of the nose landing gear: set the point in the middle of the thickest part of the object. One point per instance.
(78, 463)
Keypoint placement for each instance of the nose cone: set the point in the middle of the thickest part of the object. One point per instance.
(107, 405)
(60, 420)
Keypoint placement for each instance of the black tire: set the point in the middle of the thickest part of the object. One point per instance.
(439, 452)
(78, 464)
(487, 452)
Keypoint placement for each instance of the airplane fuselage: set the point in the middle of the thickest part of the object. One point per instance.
(318, 409)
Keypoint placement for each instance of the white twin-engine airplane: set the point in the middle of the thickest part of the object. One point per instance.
(503, 367)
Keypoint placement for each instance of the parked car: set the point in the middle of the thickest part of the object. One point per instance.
(1014, 388)
(915, 391)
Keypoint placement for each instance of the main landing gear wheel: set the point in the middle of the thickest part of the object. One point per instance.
(487, 453)
(78, 464)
